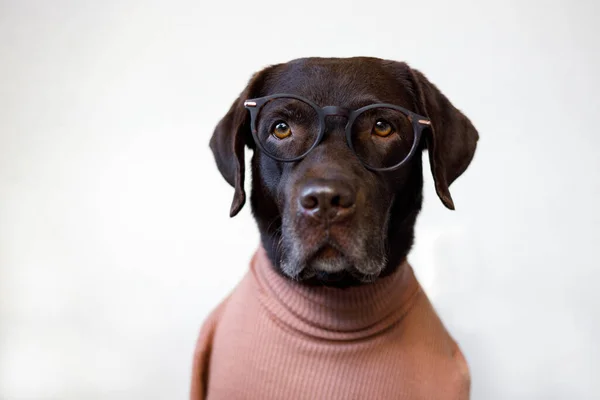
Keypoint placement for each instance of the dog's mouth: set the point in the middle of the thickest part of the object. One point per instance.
(327, 252)
(327, 262)
(327, 249)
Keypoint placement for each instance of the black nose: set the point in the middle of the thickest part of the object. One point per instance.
(327, 200)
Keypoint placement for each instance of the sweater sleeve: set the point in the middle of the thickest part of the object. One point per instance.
(202, 354)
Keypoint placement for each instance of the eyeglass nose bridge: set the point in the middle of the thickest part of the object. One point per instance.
(335, 111)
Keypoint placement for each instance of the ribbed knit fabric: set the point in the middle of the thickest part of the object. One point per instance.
(274, 338)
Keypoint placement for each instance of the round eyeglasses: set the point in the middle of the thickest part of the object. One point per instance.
(287, 127)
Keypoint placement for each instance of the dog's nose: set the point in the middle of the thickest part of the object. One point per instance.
(327, 200)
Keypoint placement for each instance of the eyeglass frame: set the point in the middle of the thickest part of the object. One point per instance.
(419, 123)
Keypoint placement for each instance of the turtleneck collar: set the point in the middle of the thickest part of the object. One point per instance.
(330, 313)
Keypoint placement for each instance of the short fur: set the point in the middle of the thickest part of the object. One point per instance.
(379, 235)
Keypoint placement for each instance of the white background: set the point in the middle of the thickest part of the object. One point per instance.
(115, 240)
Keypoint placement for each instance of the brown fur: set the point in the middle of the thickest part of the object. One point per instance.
(387, 203)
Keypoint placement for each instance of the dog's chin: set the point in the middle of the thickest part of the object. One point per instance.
(328, 259)
(330, 266)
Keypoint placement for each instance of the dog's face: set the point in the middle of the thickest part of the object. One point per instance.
(327, 218)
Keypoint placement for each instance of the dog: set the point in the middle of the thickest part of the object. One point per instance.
(337, 186)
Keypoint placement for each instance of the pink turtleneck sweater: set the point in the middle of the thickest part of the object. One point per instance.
(273, 338)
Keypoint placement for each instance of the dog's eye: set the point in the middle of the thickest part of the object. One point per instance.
(281, 130)
(382, 128)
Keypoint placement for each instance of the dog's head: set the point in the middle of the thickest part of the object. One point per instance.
(337, 182)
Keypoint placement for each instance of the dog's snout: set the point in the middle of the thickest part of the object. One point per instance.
(327, 200)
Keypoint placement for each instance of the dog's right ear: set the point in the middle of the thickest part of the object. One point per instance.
(229, 138)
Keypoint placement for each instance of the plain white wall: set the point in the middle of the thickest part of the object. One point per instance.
(115, 240)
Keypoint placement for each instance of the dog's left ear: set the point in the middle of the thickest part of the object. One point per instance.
(229, 138)
(451, 140)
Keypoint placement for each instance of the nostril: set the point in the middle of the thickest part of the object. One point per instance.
(345, 200)
(336, 201)
(309, 202)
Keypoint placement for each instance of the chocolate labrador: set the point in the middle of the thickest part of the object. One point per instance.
(336, 189)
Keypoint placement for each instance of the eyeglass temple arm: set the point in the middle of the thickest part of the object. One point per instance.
(422, 120)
